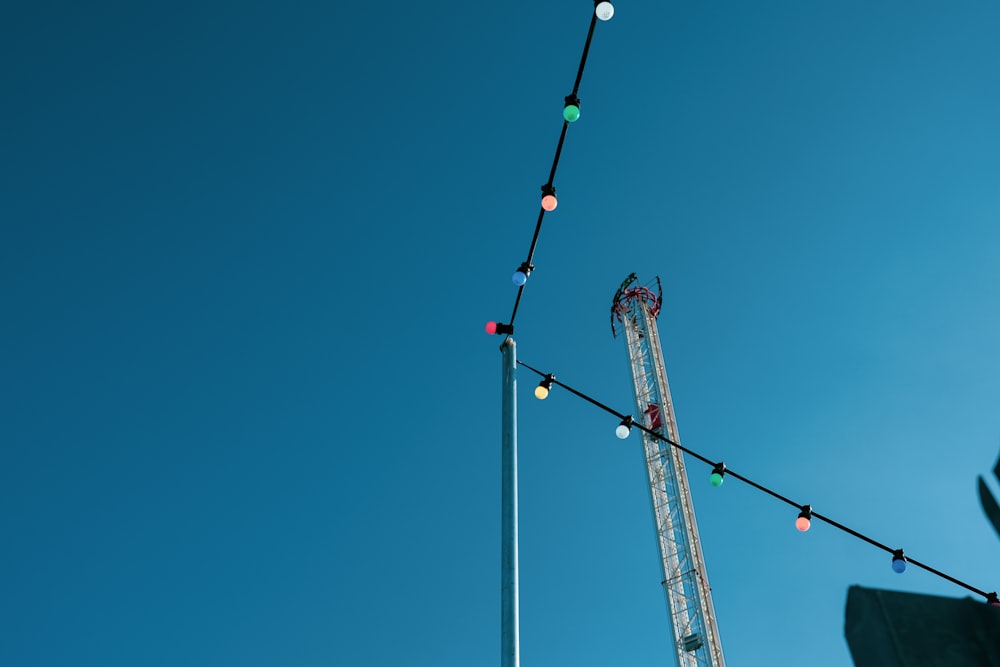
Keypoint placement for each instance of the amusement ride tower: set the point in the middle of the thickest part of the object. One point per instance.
(685, 581)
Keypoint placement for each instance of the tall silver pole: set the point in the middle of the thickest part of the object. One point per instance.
(510, 651)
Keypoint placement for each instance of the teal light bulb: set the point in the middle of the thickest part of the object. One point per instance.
(716, 479)
(571, 111)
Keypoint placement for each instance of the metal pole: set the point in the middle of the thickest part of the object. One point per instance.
(510, 651)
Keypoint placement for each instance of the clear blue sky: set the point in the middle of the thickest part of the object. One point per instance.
(249, 413)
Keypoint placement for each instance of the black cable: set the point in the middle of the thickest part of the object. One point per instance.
(531, 249)
(555, 159)
(850, 531)
(586, 50)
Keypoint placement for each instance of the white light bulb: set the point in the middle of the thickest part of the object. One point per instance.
(622, 431)
(605, 10)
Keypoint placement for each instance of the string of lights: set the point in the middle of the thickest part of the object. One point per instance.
(720, 471)
(603, 10)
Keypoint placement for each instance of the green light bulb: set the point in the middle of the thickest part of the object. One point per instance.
(715, 479)
(571, 108)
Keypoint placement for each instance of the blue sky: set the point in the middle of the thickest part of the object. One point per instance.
(250, 413)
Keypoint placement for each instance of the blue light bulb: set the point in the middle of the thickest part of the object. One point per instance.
(898, 562)
(519, 278)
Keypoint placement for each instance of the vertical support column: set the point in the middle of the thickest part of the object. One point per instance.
(510, 651)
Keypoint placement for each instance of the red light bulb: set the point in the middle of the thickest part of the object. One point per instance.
(804, 518)
(549, 201)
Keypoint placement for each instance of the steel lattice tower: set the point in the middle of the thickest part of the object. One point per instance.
(685, 581)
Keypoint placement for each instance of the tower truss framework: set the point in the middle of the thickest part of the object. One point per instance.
(685, 580)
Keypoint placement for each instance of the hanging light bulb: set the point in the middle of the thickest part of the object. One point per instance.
(499, 328)
(542, 390)
(992, 599)
(571, 112)
(521, 275)
(718, 474)
(624, 428)
(549, 201)
(604, 10)
(898, 561)
(805, 518)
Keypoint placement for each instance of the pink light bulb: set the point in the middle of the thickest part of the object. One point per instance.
(491, 328)
(549, 202)
(802, 523)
